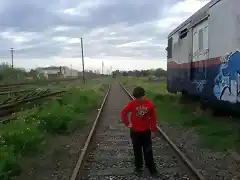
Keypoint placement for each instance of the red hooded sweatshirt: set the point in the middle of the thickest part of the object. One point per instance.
(143, 116)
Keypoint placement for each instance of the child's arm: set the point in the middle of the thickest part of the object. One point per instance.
(124, 113)
(153, 120)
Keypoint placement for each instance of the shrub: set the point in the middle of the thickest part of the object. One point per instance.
(22, 136)
(8, 165)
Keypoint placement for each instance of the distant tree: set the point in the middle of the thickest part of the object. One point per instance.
(96, 71)
(142, 73)
(160, 73)
(9, 74)
(33, 73)
(125, 73)
(145, 73)
(137, 73)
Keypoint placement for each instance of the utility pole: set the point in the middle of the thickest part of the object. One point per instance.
(12, 50)
(102, 67)
(83, 73)
(71, 70)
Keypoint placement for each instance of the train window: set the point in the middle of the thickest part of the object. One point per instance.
(200, 39)
(169, 48)
(205, 38)
(195, 43)
(183, 33)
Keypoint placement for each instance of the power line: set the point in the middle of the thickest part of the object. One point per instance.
(102, 66)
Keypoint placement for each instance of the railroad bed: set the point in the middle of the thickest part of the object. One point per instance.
(110, 154)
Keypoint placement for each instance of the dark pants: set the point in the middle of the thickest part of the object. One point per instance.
(142, 141)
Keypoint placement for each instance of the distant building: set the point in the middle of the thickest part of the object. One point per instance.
(62, 71)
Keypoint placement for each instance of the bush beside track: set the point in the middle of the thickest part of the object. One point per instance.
(217, 133)
(32, 127)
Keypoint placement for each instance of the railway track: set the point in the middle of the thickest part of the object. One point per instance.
(14, 92)
(12, 105)
(108, 153)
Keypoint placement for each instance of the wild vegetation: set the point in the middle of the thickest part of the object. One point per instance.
(19, 75)
(30, 130)
(9, 74)
(142, 73)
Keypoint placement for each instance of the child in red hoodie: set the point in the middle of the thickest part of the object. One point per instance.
(142, 128)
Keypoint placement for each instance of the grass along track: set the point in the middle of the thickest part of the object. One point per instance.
(31, 141)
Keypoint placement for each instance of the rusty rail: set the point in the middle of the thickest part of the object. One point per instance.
(9, 107)
(40, 96)
(87, 142)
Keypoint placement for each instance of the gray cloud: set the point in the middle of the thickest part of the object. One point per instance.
(111, 28)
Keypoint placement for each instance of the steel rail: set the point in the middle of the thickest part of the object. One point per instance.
(14, 104)
(76, 171)
(174, 147)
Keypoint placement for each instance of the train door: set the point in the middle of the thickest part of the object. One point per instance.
(200, 53)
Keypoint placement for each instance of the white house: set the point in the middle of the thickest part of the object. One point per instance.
(59, 71)
(69, 72)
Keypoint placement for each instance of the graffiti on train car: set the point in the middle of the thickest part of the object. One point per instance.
(200, 85)
(227, 81)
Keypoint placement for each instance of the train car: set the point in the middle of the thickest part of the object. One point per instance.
(203, 57)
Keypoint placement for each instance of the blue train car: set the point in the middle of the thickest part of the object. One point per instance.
(203, 57)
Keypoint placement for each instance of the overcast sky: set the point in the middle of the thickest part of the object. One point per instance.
(125, 34)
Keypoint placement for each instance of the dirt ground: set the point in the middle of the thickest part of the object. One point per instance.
(59, 157)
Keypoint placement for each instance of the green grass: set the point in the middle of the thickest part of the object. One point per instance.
(219, 134)
(29, 132)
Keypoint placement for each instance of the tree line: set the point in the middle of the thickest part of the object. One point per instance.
(142, 73)
(11, 75)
